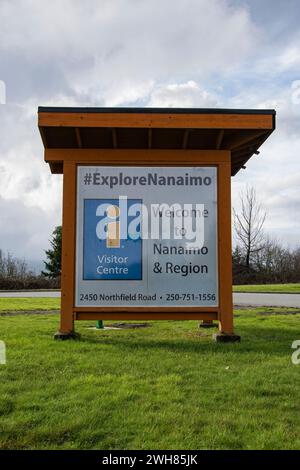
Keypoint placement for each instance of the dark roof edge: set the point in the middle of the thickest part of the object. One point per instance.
(53, 109)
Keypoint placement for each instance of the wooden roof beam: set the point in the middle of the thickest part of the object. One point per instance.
(43, 136)
(157, 120)
(78, 137)
(185, 138)
(239, 141)
(114, 138)
(150, 138)
(219, 139)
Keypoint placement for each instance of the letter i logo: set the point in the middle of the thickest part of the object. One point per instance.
(113, 228)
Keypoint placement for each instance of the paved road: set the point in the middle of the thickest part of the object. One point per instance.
(23, 294)
(265, 300)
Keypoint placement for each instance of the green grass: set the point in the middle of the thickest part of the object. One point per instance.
(17, 304)
(163, 387)
(280, 288)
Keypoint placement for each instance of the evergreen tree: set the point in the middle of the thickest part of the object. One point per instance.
(53, 263)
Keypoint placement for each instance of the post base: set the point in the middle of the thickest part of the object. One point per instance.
(207, 324)
(226, 338)
(62, 335)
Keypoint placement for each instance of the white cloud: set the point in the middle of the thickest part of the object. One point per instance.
(275, 174)
(104, 50)
(25, 231)
(290, 57)
(183, 95)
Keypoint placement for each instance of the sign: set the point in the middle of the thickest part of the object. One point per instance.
(146, 236)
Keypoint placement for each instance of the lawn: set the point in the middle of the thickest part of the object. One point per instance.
(163, 387)
(279, 288)
(19, 304)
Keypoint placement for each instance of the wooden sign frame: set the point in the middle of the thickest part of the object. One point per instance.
(222, 313)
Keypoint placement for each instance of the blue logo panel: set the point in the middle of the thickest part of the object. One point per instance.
(106, 256)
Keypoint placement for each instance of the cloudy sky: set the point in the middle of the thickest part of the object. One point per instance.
(216, 53)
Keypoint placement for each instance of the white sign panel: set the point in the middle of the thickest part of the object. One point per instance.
(146, 236)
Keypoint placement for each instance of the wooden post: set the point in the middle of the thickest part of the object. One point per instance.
(225, 255)
(68, 253)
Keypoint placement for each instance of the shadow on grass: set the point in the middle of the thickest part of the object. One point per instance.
(266, 340)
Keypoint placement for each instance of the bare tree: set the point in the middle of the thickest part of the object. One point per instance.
(11, 267)
(248, 225)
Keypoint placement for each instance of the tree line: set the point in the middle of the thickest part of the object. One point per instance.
(15, 273)
(257, 258)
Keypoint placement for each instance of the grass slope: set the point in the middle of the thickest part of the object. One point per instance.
(164, 387)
